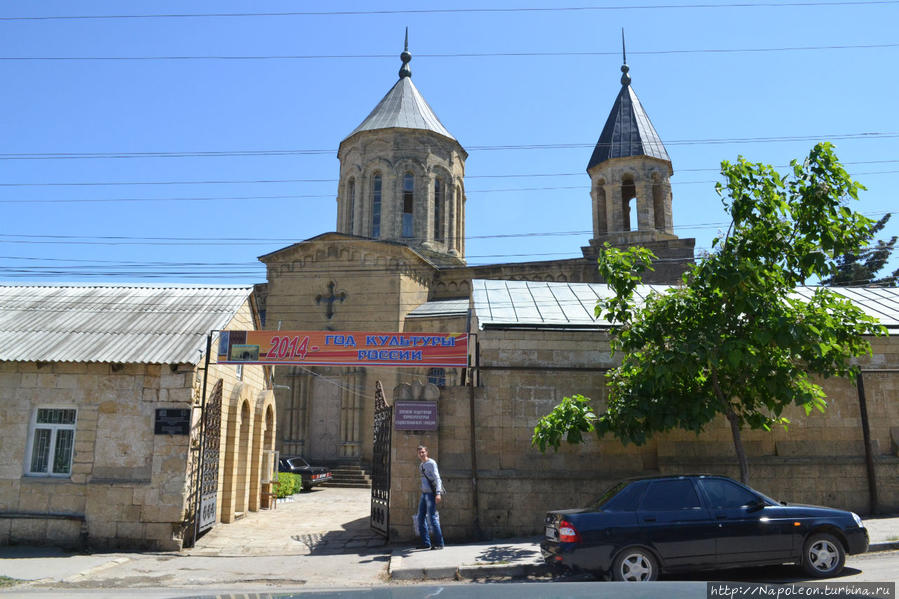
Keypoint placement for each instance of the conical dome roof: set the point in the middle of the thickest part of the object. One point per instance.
(403, 107)
(628, 130)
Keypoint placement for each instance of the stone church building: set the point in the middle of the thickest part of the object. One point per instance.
(396, 263)
(397, 259)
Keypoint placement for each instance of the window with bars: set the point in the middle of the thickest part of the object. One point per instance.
(437, 376)
(52, 442)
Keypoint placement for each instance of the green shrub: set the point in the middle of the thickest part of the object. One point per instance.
(289, 484)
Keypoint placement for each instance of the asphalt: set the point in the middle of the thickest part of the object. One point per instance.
(330, 527)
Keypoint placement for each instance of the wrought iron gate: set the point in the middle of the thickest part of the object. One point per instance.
(380, 467)
(209, 460)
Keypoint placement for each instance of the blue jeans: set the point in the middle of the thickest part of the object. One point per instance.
(427, 508)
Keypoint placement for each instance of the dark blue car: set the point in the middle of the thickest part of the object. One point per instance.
(642, 527)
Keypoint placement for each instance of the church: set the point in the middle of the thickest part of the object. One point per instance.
(396, 263)
(397, 259)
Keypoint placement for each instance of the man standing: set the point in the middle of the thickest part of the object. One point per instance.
(431, 490)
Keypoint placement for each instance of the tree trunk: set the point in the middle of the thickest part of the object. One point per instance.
(734, 421)
(738, 445)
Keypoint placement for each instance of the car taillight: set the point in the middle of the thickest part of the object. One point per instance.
(568, 533)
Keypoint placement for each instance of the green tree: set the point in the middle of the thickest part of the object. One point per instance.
(733, 339)
(861, 267)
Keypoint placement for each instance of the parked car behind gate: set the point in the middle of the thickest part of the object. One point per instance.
(312, 475)
(641, 527)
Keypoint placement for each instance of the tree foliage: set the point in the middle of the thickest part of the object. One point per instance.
(734, 338)
(861, 267)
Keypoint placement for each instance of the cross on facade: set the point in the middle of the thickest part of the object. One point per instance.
(330, 299)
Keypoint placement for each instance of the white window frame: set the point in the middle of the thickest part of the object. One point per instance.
(54, 429)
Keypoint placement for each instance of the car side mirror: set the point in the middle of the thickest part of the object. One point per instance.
(755, 505)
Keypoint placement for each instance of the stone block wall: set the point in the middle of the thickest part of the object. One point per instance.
(818, 460)
(127, 485)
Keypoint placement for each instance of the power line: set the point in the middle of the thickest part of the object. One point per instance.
(482, 10)
(28, 237)
(474, 192)
(561, 53)
(480, 148)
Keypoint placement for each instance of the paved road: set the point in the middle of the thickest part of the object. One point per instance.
(320, 540)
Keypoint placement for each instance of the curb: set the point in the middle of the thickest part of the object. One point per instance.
(511, 570)
(397, 571)
(890, 546)
(110, 564)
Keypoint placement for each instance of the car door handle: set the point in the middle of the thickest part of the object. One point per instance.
(649, 519)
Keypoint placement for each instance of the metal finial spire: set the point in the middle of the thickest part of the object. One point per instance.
(405, 71)
(625, 78)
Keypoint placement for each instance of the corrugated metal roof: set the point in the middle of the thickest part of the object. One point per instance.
(441, 308)
(628, 131)
(403, 107)
(535, 304)
(113, 323)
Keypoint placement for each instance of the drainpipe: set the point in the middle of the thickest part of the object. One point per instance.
(473, 439)
(869, 451)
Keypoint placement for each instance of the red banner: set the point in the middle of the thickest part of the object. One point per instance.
(329, 348)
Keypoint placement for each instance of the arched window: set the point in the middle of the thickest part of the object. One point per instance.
(438, 209)
(376, 205)
(350, 204)
(658, 202)
(628, 208)
(602, 223)
(408, 204)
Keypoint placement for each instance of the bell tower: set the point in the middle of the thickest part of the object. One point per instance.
(402, 176)
(630, 184)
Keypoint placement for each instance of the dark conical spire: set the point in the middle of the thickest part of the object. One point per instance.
(406, 57)
(628, 130)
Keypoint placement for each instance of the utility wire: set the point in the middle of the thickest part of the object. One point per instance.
(77, 239)
(480, 148)
(441, 11)
(474, 192)
(562, 53)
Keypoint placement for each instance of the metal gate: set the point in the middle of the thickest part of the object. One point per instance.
(209, 459)
(380, 467)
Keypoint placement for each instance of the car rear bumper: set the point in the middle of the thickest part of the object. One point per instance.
(576, 556)
(857, 539)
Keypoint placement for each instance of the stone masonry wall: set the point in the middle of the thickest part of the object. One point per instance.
(127, 484)
(819, 460)
(129, 487)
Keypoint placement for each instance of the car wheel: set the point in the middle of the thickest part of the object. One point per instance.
(635, 564)
(307, 487)
(823, 555)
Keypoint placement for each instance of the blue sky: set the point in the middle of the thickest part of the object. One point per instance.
(725, 79)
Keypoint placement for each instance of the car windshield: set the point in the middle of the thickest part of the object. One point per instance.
(297, 462)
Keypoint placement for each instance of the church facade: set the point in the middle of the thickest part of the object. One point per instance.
(396, 261)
